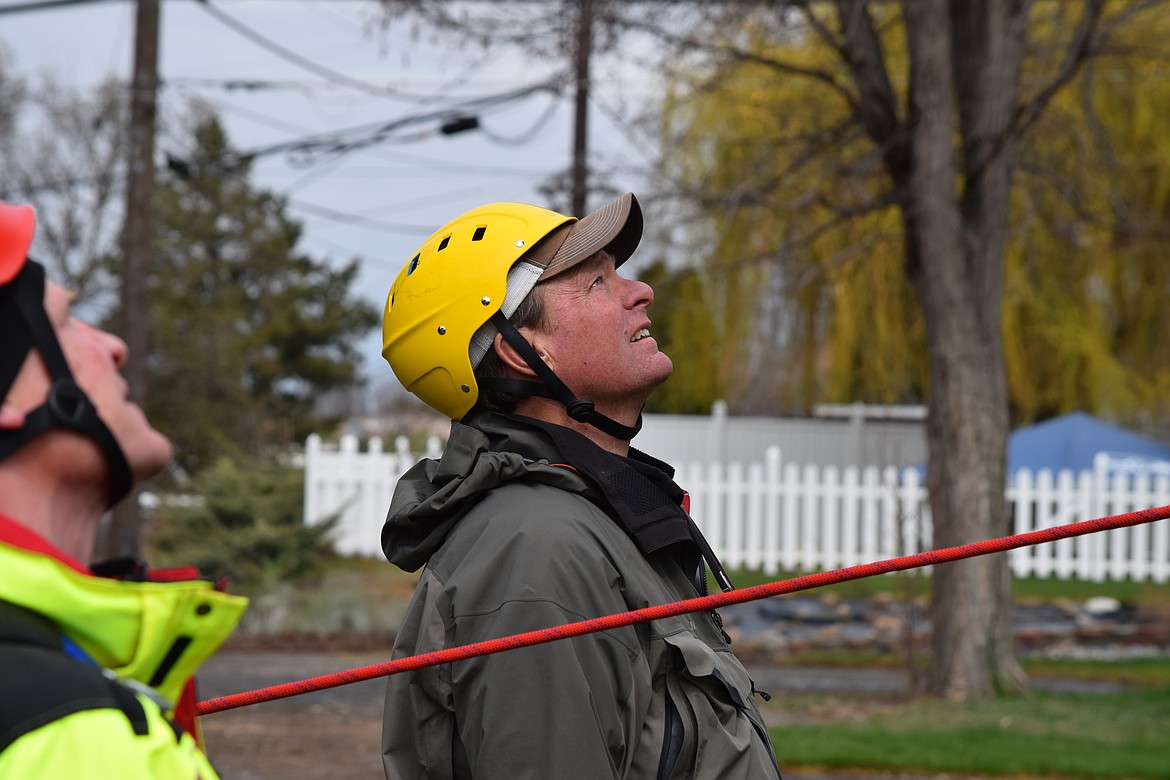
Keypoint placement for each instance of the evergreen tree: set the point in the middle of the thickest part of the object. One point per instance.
(247, 330)
(246, 526)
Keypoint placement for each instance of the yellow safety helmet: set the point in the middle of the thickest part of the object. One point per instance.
(460, 277)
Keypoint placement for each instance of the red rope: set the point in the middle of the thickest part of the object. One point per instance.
(700, 604)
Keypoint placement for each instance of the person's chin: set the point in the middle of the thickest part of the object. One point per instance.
(149, 457)
(664, 365)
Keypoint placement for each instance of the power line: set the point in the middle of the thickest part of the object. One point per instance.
(43, 5)
(527, 135)
(344, 141)
(420, 161)
(309, 145)
(356, 219)
(328, 74)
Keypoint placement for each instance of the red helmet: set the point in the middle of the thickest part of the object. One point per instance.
(17, 225)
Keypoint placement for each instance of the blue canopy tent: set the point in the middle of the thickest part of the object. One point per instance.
(1075, 440)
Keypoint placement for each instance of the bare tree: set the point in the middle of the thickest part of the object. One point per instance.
(965, 83)
(63, 154)
(12, 97)
(947, 144)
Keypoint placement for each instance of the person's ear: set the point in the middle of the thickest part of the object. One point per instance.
(10, 418)
(511, 357)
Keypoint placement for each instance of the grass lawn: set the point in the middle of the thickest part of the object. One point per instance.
(1118, 735)
(1133, 672)
(1111, 735)
(900, 584)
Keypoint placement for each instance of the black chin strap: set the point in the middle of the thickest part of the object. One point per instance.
(551, 386)
(67, 405)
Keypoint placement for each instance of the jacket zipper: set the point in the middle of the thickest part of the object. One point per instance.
(672, 739)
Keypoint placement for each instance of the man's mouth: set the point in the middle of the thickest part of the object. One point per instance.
(644, 333)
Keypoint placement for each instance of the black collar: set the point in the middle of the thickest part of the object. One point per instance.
(639, 492)
(23, 626)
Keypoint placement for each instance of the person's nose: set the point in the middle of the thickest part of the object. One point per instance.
(118, 349)
(638, 293)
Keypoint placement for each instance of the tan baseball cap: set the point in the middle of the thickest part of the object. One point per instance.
(616, 227)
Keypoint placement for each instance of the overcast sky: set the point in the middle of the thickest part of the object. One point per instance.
(377, 203)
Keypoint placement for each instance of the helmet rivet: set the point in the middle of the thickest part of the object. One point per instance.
(485, 300)
(519, 242)
(465, 388)
(442, 330)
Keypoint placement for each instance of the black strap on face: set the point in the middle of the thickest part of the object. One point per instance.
(67, 405)
(551, 386)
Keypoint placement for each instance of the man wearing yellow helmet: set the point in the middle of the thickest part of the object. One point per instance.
(514, 321)
(96, 671)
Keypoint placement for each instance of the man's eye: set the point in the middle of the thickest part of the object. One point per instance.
(597, 281)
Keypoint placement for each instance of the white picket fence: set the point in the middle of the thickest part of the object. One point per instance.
(773, 516)
(358, 485)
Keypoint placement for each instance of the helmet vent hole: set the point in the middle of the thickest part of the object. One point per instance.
(478, 234)
(413, 264)
(443, 244)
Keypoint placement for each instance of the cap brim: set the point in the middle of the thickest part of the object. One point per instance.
(17, 226)
(616, 227)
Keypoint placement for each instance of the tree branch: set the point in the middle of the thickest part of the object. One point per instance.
(876, 106)
(688, 43)
(826, 35)
(1079, 49)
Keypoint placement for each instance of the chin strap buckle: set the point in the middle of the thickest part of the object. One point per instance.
(68, 403)
(581, 411)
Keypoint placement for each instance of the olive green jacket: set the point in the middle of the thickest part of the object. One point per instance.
(515, 538)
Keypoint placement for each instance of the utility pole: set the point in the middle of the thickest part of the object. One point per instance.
(581, 120)
(122, 535)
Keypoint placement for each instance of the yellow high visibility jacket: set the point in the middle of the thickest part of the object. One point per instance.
(90, 667)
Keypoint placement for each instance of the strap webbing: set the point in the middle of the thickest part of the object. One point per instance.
(551, 386)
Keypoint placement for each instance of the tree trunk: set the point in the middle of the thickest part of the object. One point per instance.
(989, 45)
(956, 235)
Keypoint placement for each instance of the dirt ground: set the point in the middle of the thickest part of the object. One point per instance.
(334, 734)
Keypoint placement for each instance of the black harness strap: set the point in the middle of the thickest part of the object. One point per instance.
(551, 386)
(67, 405)
(50, 685)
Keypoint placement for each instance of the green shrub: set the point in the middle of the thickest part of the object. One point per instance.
(241, 519)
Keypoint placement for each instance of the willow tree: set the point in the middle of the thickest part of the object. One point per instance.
(916, 129)
(805, 294)
(1085, 313)
(784, 208)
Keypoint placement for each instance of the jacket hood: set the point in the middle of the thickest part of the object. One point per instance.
(486, 452)
(637, 492)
